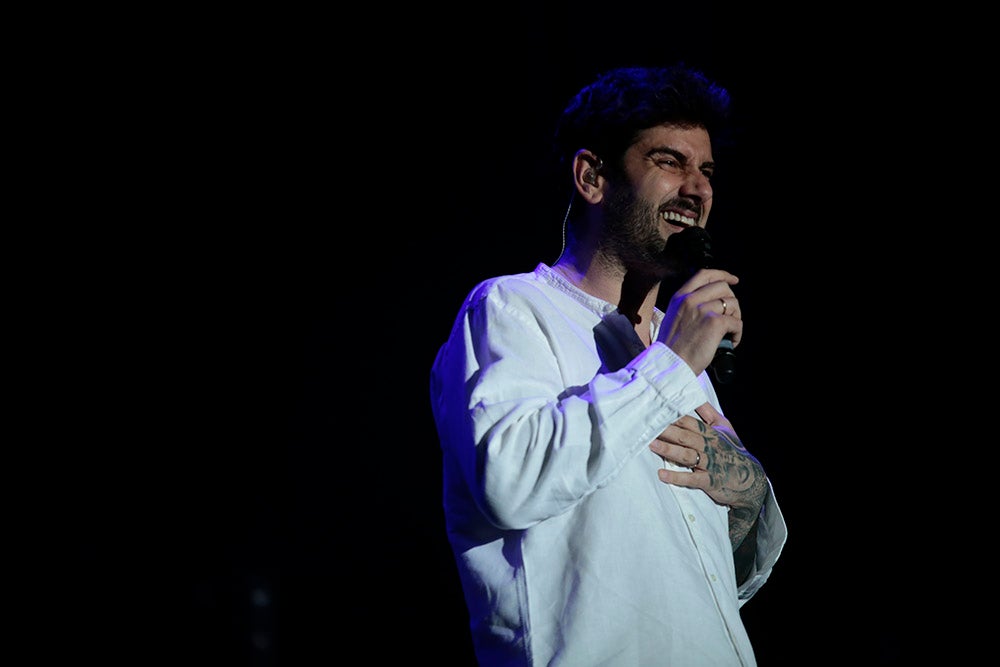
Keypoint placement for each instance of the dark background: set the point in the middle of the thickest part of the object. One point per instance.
(322, 193)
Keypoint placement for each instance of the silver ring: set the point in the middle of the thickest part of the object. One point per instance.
(697, 461)
(724, 306)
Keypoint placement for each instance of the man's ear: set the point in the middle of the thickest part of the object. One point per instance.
(587, 177)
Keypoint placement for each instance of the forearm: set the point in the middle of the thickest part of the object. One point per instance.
(760, 548)
(743, 535)
(743, 530)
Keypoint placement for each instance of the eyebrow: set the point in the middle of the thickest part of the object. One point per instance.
(680, 157)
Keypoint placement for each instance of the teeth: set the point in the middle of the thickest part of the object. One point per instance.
(670, 216)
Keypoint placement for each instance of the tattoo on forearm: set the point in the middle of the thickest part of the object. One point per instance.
(740, 520)
(737, 479)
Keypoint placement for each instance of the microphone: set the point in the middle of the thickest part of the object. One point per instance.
(690, 250)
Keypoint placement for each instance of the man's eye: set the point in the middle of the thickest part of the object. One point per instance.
(669, 164)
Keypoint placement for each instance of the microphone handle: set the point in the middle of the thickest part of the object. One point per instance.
(692, 249)
(723, 364)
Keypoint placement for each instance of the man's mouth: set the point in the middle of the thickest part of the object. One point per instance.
(676, 219)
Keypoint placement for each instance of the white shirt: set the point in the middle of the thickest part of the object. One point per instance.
(570, 549)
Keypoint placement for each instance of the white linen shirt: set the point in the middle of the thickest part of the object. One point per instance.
(570, 549)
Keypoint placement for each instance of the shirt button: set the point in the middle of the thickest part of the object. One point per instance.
(712, 577)
(691, 518)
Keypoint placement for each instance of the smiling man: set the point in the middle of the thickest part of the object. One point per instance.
(601, 508)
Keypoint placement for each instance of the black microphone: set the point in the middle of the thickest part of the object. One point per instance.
(690, 250)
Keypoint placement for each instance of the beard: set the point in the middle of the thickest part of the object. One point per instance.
(632, 233)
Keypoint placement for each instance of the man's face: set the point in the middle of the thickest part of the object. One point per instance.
(667, 188)
(670, 169)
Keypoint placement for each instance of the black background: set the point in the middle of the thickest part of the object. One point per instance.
(326, 190)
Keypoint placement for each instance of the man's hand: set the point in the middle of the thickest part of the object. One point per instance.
(700, 314)
(720, 465)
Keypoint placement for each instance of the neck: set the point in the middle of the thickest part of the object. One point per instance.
(601, 277)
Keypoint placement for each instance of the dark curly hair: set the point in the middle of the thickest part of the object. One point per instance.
(606, 116)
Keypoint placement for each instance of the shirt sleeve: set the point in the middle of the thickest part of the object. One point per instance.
(771, 535)
(533, 415)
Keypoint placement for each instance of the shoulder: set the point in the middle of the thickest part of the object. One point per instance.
(511, 288)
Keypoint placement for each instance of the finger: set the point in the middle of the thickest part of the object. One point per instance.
(728, 305)
(727, 308)
(675, 433)
(710, 293)
(698, 479)
(736, 333)
(706, 277)
(699, 460)
(688, 423)
(691, 455)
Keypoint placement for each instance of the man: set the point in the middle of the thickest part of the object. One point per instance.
(601, 508)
